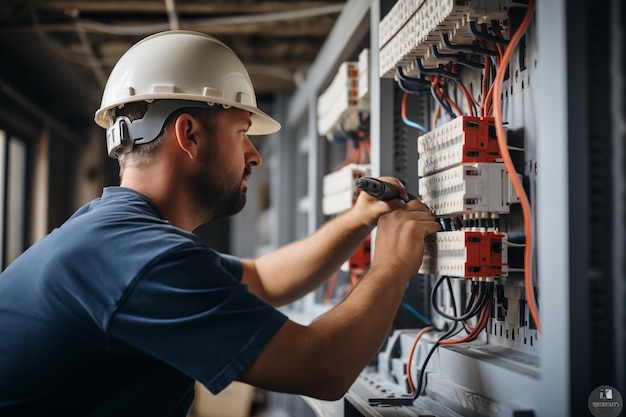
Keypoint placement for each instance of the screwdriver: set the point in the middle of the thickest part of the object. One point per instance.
(379, 189)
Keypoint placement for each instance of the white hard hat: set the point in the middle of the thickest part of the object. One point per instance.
(182, 65)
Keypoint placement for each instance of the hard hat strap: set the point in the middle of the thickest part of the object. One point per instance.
(123, 134)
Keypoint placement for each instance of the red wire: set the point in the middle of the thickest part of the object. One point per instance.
(468, 96)
(436, 115)
(517, 184)
(410, 358)
(485, 95)
(480, 326)
(454, 105)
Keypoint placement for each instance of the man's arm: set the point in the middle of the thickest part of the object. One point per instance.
(323, 359)
(294, 270)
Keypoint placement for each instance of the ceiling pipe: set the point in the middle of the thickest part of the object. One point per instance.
(172, 16)
(92, 59)
(230, 20)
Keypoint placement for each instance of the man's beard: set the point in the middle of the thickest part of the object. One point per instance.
(215, 200)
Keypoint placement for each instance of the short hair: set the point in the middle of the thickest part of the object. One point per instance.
(144, 154)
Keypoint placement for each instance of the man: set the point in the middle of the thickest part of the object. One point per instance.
(120, 309)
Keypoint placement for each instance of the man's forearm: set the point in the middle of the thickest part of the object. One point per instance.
(298, 268)
(323, 359)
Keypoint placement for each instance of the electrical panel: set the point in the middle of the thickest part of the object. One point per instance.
(459, 115)
(473, 173)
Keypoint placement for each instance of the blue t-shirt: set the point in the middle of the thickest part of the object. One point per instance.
(117, 312)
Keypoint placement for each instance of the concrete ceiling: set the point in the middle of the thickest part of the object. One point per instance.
(57, 54)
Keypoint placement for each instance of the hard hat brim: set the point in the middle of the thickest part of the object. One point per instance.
(262, 123)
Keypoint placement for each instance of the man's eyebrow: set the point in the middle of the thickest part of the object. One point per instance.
(248, 122)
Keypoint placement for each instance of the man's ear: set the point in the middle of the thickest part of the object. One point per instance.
(187, 129)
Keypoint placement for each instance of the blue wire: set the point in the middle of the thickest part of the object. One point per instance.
(414, 124)
(416, 313)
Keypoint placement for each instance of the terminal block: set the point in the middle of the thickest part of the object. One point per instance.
(338, 107)
(463, 140)
(471, 254)
(411, 27)
(469, 188)
(364, 76)
(339, 191)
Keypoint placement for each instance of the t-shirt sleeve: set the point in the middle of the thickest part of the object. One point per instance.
(190, 311)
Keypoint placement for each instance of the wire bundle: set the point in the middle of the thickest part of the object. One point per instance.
(479, 305)
(357, 143)
(496, 59)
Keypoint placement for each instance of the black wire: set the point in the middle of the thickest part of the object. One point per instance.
(452, 332)
(471, 104)
(483, 33)
(444, 105)
(447, 334)
(474, 48)
(418, 91)
(466, 315)
(486, 294)
(473, 293)
(470, 303)
(405, 78)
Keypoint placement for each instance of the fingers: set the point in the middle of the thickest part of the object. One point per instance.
(371, 208)
(404, 195)
(400, 237)
(430, 227)
(417, 205)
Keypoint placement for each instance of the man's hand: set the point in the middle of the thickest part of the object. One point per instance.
(400, 237)
(370, 208)
(341, 342)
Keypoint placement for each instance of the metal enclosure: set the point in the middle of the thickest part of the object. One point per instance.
(564, 105)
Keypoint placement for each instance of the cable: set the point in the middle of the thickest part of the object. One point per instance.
(436, 115)
(470, 304)
(484, 94)
(482, 323)
(405, 78)
(483, 33)
(405, 119)
(416, 313)
(420, 384)
(485, 312)
(410, 358)
(471, 103)
(211, 22)
(456, 108)
(474, 48)
(482, 298)
(441, 102)
(517, 184)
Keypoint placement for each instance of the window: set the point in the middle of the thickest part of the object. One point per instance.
(13, 192)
